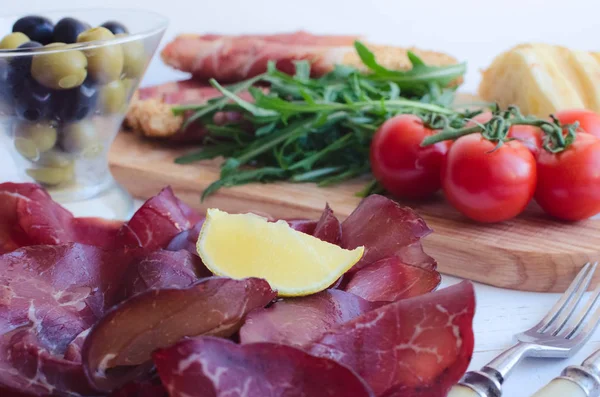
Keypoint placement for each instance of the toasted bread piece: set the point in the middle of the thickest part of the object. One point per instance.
(541, 79)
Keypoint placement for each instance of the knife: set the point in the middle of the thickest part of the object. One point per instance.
(576, 380)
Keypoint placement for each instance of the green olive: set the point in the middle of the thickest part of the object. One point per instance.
(13, 40)
(105, 64)
(135, 58)
(42, 135)
(81, 138)
(55, 159)
(113, 97)
(51, 175)
(60, 70)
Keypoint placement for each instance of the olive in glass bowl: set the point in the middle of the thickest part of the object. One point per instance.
(66, 79)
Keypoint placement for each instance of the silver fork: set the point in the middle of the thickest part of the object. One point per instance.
(555, 336)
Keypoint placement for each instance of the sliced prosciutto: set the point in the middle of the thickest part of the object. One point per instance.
(212, 367)
(423, 344)
(235, 58)
(385, 228)
(29, 216)
(50, 296)
(124, 338)
(391, 280)
(299, 321)
(156, 222)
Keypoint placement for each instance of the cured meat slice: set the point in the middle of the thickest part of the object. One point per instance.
(146, 388)
(161, 269)
(156, 222)
(235, 58)
(385, 228)
(124, 338)
(50, 295)
(299, 321)
(187, 239)
(212, 367)
(328, 228)
(303, 225)
(423, 344)
(29, 216)
(390, 280)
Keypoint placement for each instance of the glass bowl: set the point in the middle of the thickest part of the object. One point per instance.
(62, 105)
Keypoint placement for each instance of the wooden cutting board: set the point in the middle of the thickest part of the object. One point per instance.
(531, 252)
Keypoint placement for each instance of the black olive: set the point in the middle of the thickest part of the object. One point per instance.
(74, 104)
(67, 30)
(20, 66)
(115, 27)
(37, 28)
(32, 100)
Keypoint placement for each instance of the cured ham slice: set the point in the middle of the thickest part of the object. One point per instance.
(156, 222)
(299, 321)
(50, 295)
(423, 344)
(187, 239)
(211, 367)
(390, 280)
(385, 228)
(235, 58)
(29, 216)
(124, 338)
(328, 228)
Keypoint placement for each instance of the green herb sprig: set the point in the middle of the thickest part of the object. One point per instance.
(317, 129)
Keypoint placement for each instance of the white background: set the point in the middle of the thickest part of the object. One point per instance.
(471, 30)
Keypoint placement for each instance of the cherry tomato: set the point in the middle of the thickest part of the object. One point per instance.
(568, 184)
(400, 164)
(485, 185)
(529, 136)
(588, 121)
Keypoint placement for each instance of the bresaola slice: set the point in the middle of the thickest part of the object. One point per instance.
(156, 222)
(391, 280)
(417, 345)
(124, 338)
(385, 228)
(29, 216)
(212, 367)
(161, 269)
(50, 295)
(298, 321)
(328, 228)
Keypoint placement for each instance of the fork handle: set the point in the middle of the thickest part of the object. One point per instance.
(575, 381)
(484, 383)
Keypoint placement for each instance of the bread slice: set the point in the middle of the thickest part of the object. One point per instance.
(541, 79)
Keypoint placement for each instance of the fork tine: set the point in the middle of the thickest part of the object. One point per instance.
(569, 309)
(583, 316)
(564, 299)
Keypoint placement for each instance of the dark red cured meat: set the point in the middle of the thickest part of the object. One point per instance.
(28, 216)
(128, 333)
(187, 239)
(385, 228)
(235, 58)
(49, 295)
(156, 222)
(303, 225)
(299, 321)
(161, 269)
(146, 388)
(423, 344)
(328, 228)
(212, 367)
(390, 280)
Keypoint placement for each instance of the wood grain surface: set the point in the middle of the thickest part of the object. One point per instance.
(530, 253)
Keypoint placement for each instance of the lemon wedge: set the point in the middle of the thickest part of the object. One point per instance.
(294, 263)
